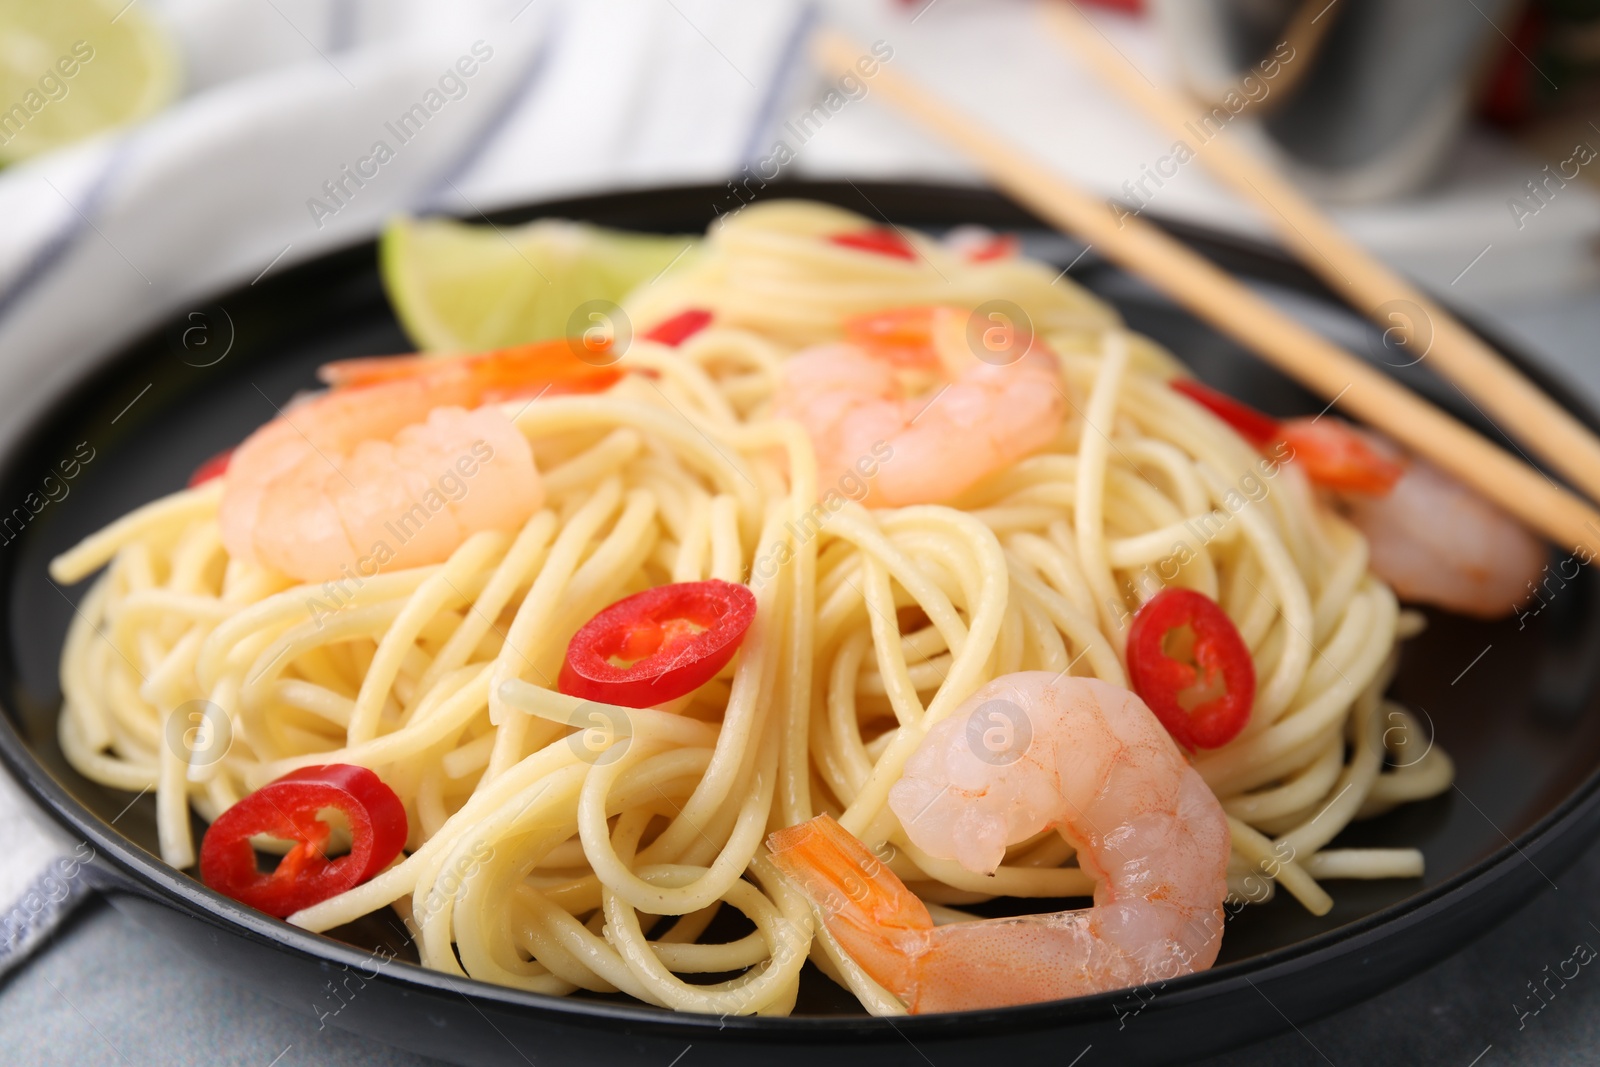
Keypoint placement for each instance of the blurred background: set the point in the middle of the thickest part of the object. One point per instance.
(158, 150)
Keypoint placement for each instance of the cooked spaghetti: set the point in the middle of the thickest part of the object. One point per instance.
(558, 845)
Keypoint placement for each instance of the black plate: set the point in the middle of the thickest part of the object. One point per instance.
(1512, 702)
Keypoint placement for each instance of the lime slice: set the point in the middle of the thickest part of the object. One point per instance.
(461, 288)
(67, 71)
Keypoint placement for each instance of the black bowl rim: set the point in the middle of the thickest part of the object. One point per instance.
(146, 875)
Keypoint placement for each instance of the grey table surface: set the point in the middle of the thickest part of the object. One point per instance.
(107, 991)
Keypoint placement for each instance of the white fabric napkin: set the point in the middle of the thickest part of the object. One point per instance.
(108, 237)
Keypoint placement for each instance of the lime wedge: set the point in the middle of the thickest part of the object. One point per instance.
(461, 288)
(67, 70)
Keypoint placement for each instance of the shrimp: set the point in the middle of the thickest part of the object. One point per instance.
(1433, 540)
(390, 468)
(865, 398)
(1084, 756)
(1437, 542)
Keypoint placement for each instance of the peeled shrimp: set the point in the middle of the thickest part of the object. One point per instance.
(390, 469)
(1026, 752)
(1437, 542)
(862, 403)
(1431, 538)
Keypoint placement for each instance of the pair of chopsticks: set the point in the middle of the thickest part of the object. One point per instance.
(1213, 295)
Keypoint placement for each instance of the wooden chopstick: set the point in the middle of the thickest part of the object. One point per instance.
(1215, 296)
(1501, 392)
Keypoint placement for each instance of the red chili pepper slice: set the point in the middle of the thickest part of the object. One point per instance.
(1337, 456)
(215, 467)
(1333, 454)
(1000, 246)
(657, 645)
(680, 327)
(884, 240)
(1187, 661)
(1127, 7)
(1254, 426)
(289, 809)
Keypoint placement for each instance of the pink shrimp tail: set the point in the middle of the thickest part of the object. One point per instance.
(876, 920)
(988, 963)
(561, 365)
